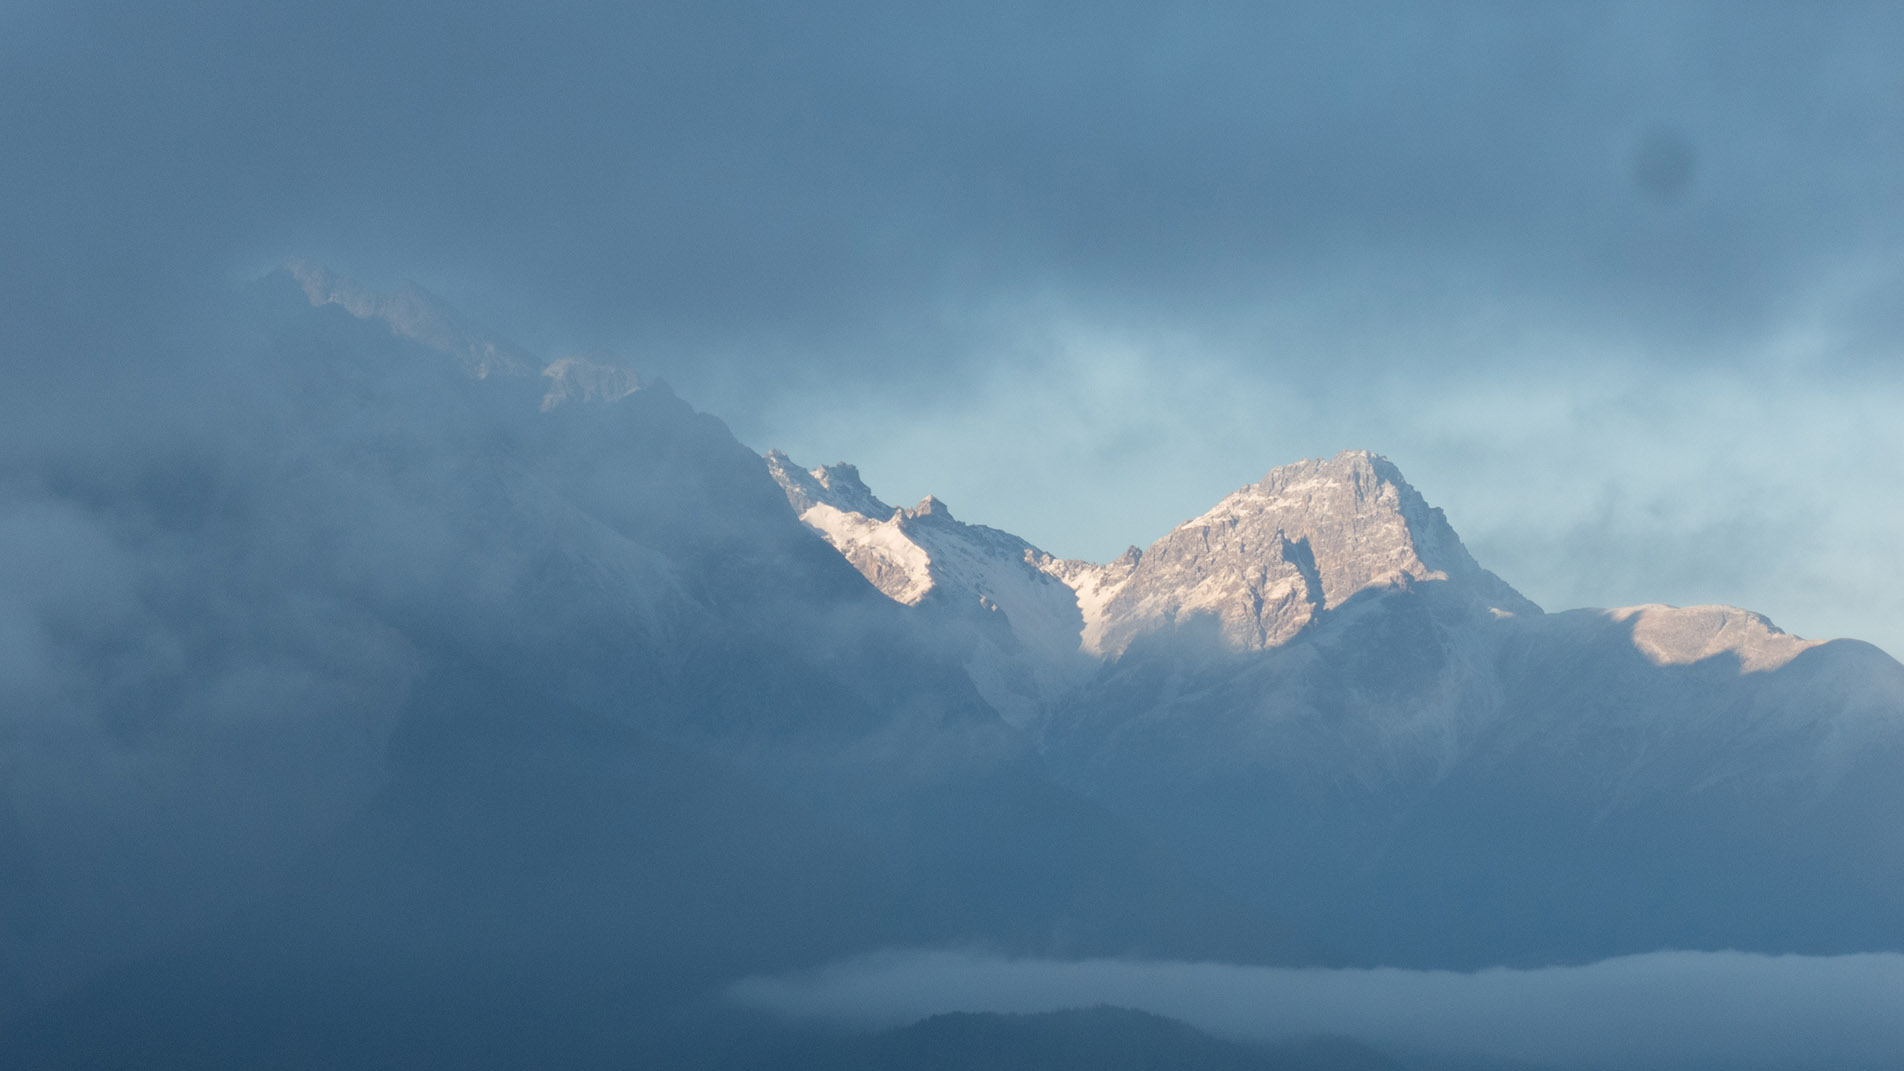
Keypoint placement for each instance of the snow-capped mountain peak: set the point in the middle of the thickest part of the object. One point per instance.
(838, 486)
(930, 506)
(1262, 562)
(1014, 604)
(1366, 525)
(1306, 538)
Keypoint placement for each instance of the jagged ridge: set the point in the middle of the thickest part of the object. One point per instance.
(1262, 563)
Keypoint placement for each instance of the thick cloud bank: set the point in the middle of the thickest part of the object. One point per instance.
(1663, 1009)
(1619, 281)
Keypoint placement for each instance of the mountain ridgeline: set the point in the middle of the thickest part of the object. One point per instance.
(443, 704)
(1316, 694)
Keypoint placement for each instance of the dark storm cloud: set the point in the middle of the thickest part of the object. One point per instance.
(708, 177)
(847, 226)
(1078, 247)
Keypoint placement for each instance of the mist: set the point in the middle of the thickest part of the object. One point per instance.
(1658, 1010)
(334, 670)
(1133, 258)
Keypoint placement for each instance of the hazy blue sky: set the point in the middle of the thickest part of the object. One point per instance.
(1619, 286)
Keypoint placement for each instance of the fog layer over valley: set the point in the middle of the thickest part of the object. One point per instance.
(406, 697)
(1672, 1009)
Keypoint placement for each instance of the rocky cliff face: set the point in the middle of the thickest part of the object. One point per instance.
(1007, 605)
(1267, 559)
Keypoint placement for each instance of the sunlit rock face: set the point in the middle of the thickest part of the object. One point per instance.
(1679, 636)
(1265, 560)
(1009, 607)
(1256, 570)
(1262, 563)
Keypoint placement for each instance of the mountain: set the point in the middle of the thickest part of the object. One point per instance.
(1315, 692)
(1263, 563)
(414, 313)
(1099, 1038)
(1010, 609)
(409, 698)
(417, 707)
(1257, 568)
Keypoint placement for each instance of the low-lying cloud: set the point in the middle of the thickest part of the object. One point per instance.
(1661, 1009)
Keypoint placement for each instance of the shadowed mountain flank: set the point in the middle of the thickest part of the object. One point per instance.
(421, 701)
(1316, 692)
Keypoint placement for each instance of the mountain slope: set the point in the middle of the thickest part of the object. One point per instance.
(1010, 608)
(431, 701)
(602, 725)
(1317, 693)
